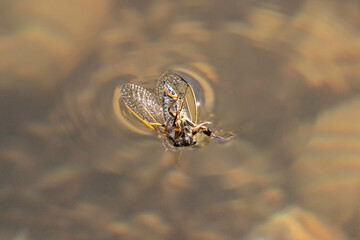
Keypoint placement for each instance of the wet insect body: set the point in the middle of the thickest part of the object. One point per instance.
(170, 111)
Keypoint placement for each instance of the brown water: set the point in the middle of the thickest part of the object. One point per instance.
(283, 77)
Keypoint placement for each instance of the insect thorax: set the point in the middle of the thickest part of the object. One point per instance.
(181, 132)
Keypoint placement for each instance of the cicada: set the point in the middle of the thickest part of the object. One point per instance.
(170, 110)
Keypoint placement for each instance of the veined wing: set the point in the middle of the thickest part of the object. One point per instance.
(182, 89)
(143, 105)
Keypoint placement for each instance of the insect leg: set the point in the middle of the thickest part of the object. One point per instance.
(169, 94)
(169, 109)
(178, 111)
(189, 123)
(172, 104)
(176, 98)
(180, 107)
(202, 128)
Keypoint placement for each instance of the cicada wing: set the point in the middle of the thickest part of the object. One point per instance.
(143, 105)
(177, 86)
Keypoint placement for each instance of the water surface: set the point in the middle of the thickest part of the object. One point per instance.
(283, 76)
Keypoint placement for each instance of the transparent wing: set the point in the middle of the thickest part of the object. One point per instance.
(143, 105)
(182, 89)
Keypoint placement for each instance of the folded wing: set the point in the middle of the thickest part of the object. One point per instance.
(182, 89)
(143, 105)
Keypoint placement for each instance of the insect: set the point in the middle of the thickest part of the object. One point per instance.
(171, 110)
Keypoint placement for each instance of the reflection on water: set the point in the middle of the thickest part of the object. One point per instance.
(283, 77)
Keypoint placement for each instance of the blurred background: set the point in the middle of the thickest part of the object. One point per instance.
(283, 76)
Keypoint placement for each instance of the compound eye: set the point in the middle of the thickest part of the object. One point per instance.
(177, 144)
